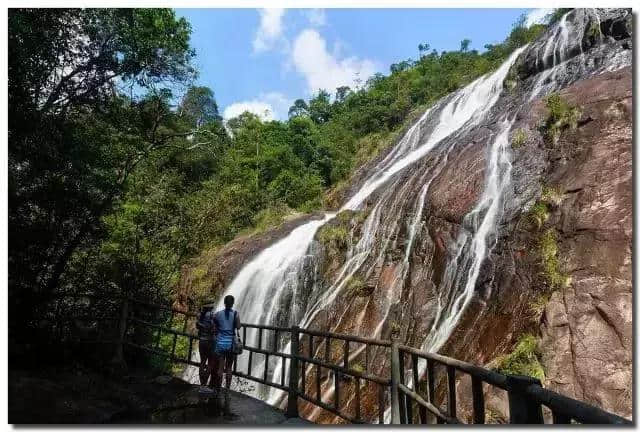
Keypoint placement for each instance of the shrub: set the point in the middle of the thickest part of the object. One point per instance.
(334, 237)
(539, 303)
(539, 214)
(357, 367)
(594, 30)
(518, 139)
(552, 195)
(271, 216)
(355, 286)
(551, 268)
(523, 360)
(561, 115)
(395, 328)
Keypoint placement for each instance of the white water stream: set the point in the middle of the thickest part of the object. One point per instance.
(273, 289)
(274, 275)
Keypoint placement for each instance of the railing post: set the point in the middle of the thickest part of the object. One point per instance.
(395, 379)
(292, 401)
(522, 409)
(118, 357)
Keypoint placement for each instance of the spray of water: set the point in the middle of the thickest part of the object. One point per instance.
(274, 288)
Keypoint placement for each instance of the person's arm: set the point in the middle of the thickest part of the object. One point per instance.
(237, 321)
(214, 324)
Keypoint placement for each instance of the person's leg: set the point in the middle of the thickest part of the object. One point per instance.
(217, 366)
(229, 359)
(205, 348)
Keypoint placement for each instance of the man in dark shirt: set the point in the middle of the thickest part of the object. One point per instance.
(206, 338)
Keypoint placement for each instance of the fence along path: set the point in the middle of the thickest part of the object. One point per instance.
(326, 364)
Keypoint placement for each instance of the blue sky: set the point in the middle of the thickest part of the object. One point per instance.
(262, 60)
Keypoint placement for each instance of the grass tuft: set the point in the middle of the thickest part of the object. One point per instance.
(518, 139)
(551, 268)
(552, 195)
(334, 237)
(523, 360)
(561, 115)
(539, 214)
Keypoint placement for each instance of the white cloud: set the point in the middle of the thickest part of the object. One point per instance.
(270, 30)
(316, 17)
(324, 70)
(537, 16)
(259, 108)
(267, 106)
(279, 102)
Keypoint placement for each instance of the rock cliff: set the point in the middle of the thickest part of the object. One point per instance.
(532, 215)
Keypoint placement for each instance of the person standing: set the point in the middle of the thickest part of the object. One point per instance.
(226, 322)
(206, 338)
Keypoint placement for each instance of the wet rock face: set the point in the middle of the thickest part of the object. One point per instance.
(587, 327)
(220, 267)
(595, 25)
(402, 244)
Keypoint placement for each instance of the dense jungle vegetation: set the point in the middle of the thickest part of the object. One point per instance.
(121, 168)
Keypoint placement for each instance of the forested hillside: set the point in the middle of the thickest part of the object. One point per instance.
(121, 168)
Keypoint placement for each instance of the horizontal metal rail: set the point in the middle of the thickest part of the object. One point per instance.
(526, 395)
(342, 336)
(408, 403)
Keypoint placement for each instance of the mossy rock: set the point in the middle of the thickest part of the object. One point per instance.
(519, 138)
(523, 360)
(357, 287)
(561, 115)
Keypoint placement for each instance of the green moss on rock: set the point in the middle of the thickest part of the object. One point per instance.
(523, 360)
(561, 115)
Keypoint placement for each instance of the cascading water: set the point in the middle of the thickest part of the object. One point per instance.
(271, 281)
(277, 287)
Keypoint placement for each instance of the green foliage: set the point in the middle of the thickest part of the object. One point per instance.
(519, 138)
(357, 367)
(555, 16)
(75, 140)
(551, 195)
(594, 30)
(334, 237)
(199, 106)
(539, 303)
(395, 328)
(523, 360)
(551, 267)
(271, 216)
(355, 286)
(561, 115)
(113, 186)
(539, 214)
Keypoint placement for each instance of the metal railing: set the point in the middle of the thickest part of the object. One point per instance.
(336, 372)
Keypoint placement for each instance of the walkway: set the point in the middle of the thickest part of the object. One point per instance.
(189, 408)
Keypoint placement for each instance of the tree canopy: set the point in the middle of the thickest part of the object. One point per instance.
(121, 168)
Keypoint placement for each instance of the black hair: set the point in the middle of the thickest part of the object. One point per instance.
(228, 304)
(204, 310)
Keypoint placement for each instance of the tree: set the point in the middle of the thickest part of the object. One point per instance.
(320, 107)
(199, 107)
(464, 45)
(342, 93)
(422, 49)
(74, 137)
(299, 108)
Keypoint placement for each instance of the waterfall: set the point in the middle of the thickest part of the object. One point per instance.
(278, 286)
(273, 280)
